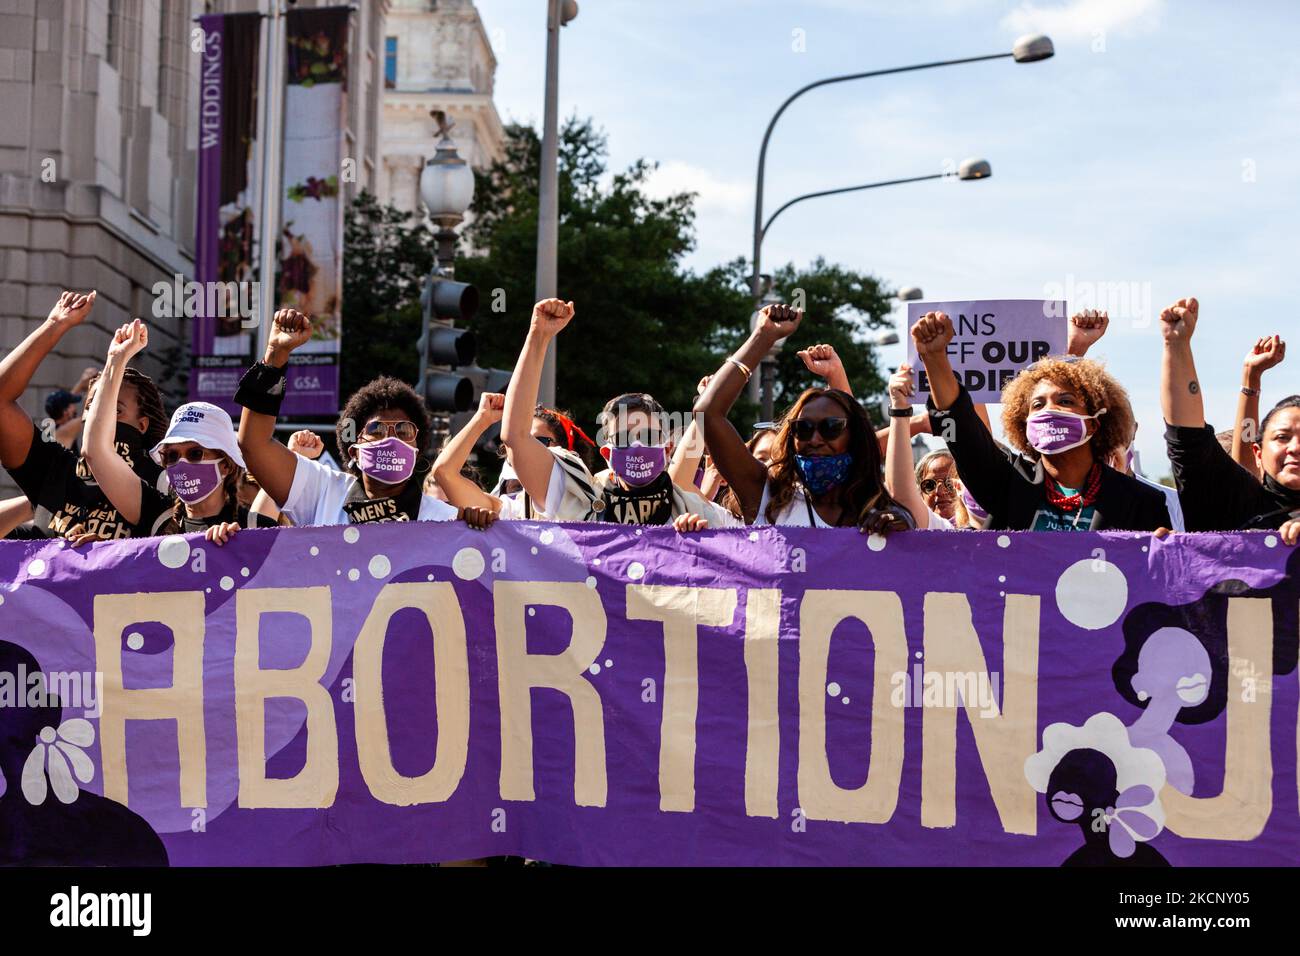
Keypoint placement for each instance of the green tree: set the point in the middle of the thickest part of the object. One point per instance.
(644, 322)
(387, 255)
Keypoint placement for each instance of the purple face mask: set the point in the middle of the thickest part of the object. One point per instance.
(638, 464)
(390, 461)
(194, 482)
(1052, 432)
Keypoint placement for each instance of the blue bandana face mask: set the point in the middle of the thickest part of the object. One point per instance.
(821, 473)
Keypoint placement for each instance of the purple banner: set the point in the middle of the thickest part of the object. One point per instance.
(221, 300)
(992, 340)
(589, 694)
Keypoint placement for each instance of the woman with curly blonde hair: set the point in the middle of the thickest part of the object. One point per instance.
(1066, 418)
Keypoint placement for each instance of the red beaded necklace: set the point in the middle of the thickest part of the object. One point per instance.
(1080, 500)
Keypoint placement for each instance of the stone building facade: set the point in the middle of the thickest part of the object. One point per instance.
(437, 55)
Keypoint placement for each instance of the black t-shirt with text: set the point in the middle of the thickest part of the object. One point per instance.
(650, 504)
(63, 493)
(403, 506)
(233, 511)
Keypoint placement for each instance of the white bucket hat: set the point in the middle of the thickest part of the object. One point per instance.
(204, 424)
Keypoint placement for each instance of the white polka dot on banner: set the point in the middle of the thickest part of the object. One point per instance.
(636, 570)
(135, 640)
(173, 551)
(591, 582)
(1002, 579)
(1092, 594)
(351, 535)
(36, 568)
(315, 550)
(534, 550)
(227, 583)
(243, 572)
(532, 612)
(876, 542)
(1270, 541)
(468, 564)
(753, 536)
(1004, 541)
(353, 574)
(2, 599)
(380, 566)
(844, 700)
(546, 537)
(832, 689)
(608, 662)
(594, 669)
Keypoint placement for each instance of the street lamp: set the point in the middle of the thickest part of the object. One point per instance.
(447, 188)
(969, 169)
(558, 14)
(910, 293)
(1027, 49)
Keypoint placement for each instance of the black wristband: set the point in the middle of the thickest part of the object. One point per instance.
(262, 388)
(900, 412)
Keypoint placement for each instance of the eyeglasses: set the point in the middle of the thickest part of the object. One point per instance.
(766, 426)
(930, 485)
(1065, 359)
(830, 428)
(193, 454)
(377, 431)
(546, 440)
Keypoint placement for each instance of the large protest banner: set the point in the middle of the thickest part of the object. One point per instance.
(992, 340)
(591, 694)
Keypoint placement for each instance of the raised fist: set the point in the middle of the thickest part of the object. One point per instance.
(901, 387)
(776, 322)
(289, 329)
(932, 333)
(491, 407)
(71, 309)
(821, 360)
(1085, 329)
(1178, 322)
(550, 316)
(128, 341)
(1268, 352)
(307, 443)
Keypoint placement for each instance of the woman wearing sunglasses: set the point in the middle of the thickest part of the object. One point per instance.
(929, 491)
(381, 433)
(636, 487)
(825, 469)
(198, 453)
(1066, 418)
(569, 492)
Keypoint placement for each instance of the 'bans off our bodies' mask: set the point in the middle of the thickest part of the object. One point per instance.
(1051, 432)
(637, 464)
(194, 482)
(390, 461)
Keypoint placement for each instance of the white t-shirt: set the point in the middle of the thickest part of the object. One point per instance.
(939, 523)
(319, 491)
(798, 512)
(515, 508)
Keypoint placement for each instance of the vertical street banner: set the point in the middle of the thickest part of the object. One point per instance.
(309, 241)
(221, 302)
(310, 245)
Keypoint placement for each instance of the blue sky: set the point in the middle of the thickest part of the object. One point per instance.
(1153, 157)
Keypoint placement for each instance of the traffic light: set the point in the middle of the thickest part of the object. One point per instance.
(445, 349)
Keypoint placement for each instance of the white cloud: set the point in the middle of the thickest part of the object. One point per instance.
(716, 194)
(1083, 19)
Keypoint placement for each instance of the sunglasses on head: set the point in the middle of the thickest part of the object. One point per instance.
(930, 485)
(193, 454)
(377, 431)
(830, 428)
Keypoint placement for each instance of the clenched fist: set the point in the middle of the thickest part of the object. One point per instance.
(776, 322)
(932, 333)
(550, 316)
(902, 387)
(307, 443)
(71, 309)
(289, 329)
(128, 341)
(1086, 328)
(1178, 322)
(1268, 352)
(491, 407)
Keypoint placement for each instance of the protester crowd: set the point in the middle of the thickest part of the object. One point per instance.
(1069, 423)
